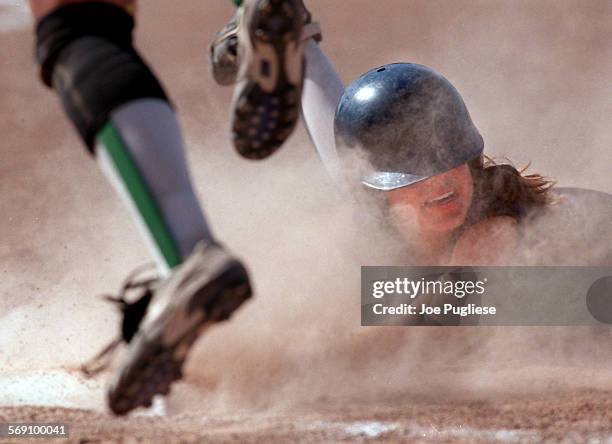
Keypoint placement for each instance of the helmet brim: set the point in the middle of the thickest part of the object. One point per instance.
(388, 181)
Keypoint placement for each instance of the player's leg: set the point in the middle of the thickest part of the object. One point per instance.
(123, 115)
(322, 91)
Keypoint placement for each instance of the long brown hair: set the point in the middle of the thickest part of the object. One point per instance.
(501, 189)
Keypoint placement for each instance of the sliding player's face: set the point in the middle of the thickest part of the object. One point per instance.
(438, 204)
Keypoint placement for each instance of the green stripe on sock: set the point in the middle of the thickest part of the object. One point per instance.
(147, 207)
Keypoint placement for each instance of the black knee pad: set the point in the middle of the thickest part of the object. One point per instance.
(85, 52)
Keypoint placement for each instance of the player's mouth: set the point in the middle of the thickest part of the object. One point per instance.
(440, 200)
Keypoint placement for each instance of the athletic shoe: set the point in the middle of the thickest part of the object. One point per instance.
(270, 51)
(162, 326)
(223, 51)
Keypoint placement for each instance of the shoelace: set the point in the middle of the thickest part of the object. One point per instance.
(133, 313)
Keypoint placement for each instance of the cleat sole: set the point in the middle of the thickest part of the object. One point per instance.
(274, 80)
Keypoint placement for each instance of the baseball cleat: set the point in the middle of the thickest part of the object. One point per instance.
(271, 55)
(223, 51)
(207, 288)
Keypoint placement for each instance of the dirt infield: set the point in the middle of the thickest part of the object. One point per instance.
(294, 364)
(580, 416)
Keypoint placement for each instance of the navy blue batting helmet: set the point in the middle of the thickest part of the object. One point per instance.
(410, 122)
